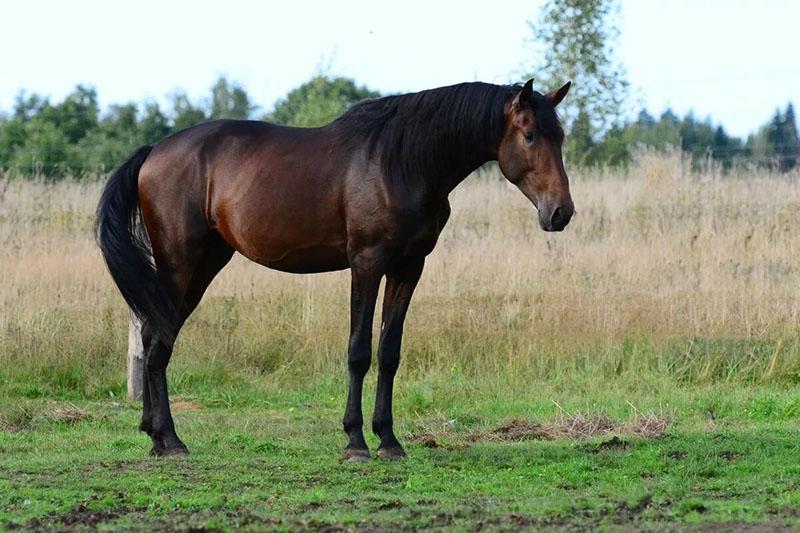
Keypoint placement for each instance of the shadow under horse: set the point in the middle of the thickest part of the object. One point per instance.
(368, 192)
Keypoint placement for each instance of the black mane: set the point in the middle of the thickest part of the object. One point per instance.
(438, 134)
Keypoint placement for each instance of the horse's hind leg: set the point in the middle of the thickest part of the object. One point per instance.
(156, 417)
(190, 282)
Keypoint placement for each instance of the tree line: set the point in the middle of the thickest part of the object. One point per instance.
(775, 145)
(576, 40)
(74, 137)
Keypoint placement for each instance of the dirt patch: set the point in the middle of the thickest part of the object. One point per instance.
(67, 413)
(614, 443)
(730, 456)
(677, 455)
(517, 429)
(642, 515)
(79, 516)
(310, 506)
(632, 510)
(575, 427)
(426, 439)
(184, 406)
(83, 516)
(389, 505)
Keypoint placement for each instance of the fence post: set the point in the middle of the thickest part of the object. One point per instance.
(135, 358)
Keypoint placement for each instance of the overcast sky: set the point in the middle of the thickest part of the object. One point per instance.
(734, 60)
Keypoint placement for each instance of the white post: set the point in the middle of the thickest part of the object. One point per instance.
(135, 358)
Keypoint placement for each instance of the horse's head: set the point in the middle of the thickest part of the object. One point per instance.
(530, 154)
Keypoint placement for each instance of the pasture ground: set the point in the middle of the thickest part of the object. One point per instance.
(638, 371)
(269, 460)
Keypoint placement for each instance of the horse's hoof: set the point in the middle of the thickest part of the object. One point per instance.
(391, 453)
(355, 455)
(177, 451)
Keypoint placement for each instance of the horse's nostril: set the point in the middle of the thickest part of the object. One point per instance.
(555, 217)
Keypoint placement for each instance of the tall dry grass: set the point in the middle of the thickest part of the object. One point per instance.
(662, 272)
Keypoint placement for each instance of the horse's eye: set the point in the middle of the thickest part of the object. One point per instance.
(528, 137)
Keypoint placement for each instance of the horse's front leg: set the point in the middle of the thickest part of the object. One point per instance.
(400, 285)
(366, 268)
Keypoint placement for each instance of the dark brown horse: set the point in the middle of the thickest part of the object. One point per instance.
(367, 192)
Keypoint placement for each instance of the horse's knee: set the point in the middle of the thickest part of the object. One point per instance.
(359, 365)
(359, 356)
(388, 363)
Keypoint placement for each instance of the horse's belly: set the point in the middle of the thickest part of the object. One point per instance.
(302, 236)
(309, 260)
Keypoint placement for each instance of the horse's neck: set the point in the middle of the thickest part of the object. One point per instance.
(458, 169)
(439, 151)
(463, 152)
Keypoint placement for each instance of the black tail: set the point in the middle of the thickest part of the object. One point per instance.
(123, 240)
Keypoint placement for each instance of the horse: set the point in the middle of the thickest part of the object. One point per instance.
(368, 192)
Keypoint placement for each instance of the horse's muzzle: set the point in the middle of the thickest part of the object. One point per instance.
(556, 216)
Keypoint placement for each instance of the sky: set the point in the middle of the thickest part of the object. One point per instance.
(735, 60)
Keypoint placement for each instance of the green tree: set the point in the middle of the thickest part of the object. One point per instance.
(121, 130)
(75, 116)
(782, 135)
(776, 143)
(112, 142)
(43, 138)
(153, 125)
(229, 100)
(12, 135)
(47, 152)
(760, 148)
(26, 107)
(697, 137)
(645, 131)
(577, 37)
(318, 101)
(184, 113)
(725, 148)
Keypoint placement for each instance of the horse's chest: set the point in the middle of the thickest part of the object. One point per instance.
(416, 233)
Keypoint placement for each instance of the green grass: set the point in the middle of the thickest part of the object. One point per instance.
(265, 455)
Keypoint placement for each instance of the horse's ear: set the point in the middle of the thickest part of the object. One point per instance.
(555, 97)
(526, 93)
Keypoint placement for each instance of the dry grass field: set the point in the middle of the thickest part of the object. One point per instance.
(661, 269)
